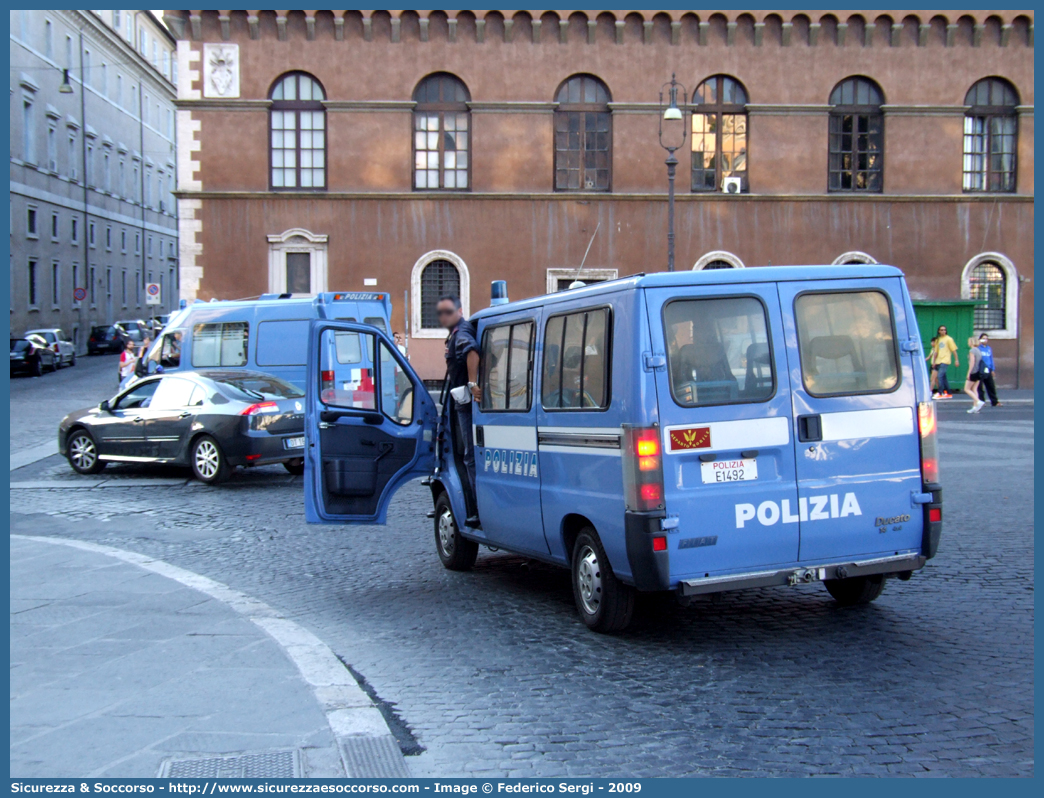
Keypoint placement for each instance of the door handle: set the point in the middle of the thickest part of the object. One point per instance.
(186, 414)
(138, 420)
(810, 428)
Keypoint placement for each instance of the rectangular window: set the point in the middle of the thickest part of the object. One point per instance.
(108, 238)
(92, 287)
(507, 367)
(106, 174)
(441, 150)
(718, 351)
(137, 288)
(75, 231)
(847, 343)
(54, 226)
(72, 158)
(116, 20)
(56, 281)
(90, 234)
(166, 63)
(119, 90)
(141, 40)
(137, 243)
(104, 79)
(299, 272)
(87, 67)
(52, 149)
(856, 147)
(150, 246)
(279, 343)
(221, 344)
(123, 240)
(32, 283)
(575, 375)
(75, 282)
(88, 166)
(989, 152)
(582, 157)
(30, 222)
(123, 288)
(28, 132)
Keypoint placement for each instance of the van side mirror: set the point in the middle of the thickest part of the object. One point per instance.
(104, 406)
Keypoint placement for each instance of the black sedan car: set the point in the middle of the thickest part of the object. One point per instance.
(32, 355)
(210, 420)
(107, 338)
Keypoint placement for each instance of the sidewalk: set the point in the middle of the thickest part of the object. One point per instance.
(1023, 396)
(119, 671)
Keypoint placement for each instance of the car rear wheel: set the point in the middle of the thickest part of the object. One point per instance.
(856, 589)
(605, 603)
(295, 467)
(456, 552)
(208, 461)
(83, 453)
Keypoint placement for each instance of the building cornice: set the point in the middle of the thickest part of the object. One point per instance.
(562, 196)
(780, 109)
(369, 105)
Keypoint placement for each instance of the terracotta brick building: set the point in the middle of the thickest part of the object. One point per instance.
(420, 152)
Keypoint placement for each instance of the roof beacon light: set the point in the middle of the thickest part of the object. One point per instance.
(498, 294)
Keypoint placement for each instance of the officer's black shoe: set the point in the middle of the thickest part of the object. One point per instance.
(473, 522)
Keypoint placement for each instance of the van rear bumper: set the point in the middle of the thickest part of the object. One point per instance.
(803, 575)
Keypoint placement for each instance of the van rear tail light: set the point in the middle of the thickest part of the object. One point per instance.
(935, 514)
(643, 468)
(260, 407)
(659, 544)
(326, 380)
(926, 423)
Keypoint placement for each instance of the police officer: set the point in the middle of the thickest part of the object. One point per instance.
(462, 367)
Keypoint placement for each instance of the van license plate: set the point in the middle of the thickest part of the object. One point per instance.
(293, 443)
(729, 470)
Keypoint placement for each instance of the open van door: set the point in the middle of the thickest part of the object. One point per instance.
(369, 423)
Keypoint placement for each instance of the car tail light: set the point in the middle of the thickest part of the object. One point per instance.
(260, 407)
(929, 447)
(935, 514)
(643, 468)
(252, 456)
(660, 544)
(326, 380)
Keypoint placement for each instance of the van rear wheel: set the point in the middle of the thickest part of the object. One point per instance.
(456, 552)
(605, 603)
(855, 590)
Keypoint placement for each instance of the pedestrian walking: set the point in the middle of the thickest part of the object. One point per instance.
(971, 382)
(986, 372)
(128, 362)
(944, 355)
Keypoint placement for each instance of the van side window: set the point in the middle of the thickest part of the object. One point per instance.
(279, 343)
(718, 351)
(575, 374)
(847, 343)
(221, 344)
(376, 321)
(507, 367)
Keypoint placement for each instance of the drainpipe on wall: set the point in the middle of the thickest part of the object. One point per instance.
(141, 144)
(84, 234)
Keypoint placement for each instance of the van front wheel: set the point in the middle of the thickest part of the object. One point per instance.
(605, 604)
(855, 590)
(456, 552)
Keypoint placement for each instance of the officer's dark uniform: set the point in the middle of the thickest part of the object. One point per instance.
(460, 342)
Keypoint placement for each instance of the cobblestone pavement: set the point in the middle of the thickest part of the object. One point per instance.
(493, 674)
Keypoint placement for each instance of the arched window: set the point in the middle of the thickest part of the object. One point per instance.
(439, 278)
(441, 123)
(719, 133)
(583, 135)
(297, 133)
(856, 136)
(718, 259)
(990, 135)
(987, 282)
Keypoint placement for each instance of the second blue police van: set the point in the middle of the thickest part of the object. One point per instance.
(695, 432)
(268, 334)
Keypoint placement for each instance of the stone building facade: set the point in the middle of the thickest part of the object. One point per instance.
(421, 152)
(92, 168)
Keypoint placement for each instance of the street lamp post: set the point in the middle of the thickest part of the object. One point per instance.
(672, 138)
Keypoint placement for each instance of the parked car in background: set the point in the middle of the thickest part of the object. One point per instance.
(157, 323)
(136, 329)
(211, 421)
(59, 343)
(31, 355)
(106, 338)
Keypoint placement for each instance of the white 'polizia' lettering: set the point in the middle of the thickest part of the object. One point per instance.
(511, 461)
(814, 508)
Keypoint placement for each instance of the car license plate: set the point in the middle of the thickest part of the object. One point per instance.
(293, 443)
(729, 470)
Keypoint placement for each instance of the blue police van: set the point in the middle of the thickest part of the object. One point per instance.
(694, 432)
(268, 334)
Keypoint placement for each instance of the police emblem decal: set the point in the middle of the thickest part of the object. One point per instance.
(692, 438)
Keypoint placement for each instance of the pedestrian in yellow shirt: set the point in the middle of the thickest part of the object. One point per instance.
(942, 356)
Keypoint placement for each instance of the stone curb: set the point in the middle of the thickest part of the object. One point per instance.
(349, 711)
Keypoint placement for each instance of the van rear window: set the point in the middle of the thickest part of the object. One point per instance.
(282, 343)
(718, 351)
(847, 343)
(221, 344)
